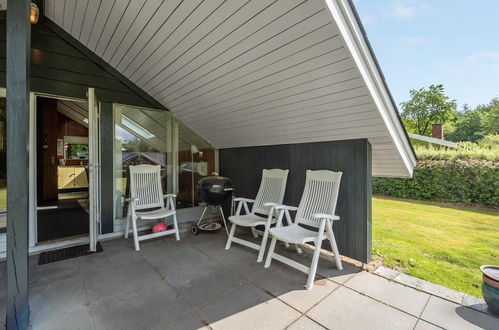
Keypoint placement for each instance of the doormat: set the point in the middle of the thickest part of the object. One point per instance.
(67, 253)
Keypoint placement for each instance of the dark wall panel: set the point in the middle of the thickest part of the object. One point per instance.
(353, 158)
(60, 65)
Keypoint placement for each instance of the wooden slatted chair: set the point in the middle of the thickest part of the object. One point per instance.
(270, 194)
(313, 221)
(147, 202)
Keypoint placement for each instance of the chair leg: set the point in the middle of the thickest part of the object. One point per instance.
(263, 244)
(177, 235)
(332, 240)
(127, 225)
(298, 249)
(231, 234)
(253, 231)
(315, 262)
(135, 234)
(271, 251)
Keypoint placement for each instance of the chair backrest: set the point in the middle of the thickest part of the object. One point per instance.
(145, 184)
(272, 188)
(319, 196)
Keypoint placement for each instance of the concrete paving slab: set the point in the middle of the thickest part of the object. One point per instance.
(304, 323)
(392, 293)
(386, 272)
(287, 284)
(423, 325)
(76, 319)
(345, 308)
(238, 258)
(115, 254)
(248, 308)
(173, 259)
(431, 288)
(110, 281)
(59, 270)
(326, 267)
(186, 321)
(47, 301)
(449, 315)
(206, 285)
(142, 308)
(477, 304)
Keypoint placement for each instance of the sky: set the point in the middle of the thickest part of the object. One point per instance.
(424, 42)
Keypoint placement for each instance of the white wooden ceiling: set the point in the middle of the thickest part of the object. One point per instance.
(242, 72)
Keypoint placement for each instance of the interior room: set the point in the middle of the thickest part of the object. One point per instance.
(62, 169)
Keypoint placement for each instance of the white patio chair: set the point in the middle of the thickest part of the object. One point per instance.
(270, 194)
(147, 202)
(316, 211)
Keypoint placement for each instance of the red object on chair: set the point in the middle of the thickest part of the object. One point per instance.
(159, 227)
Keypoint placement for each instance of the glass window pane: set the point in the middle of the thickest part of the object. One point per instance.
(196, 160)
(142, 136)
(3, 165)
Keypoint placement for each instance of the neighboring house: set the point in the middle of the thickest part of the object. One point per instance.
(258, 84)
(436, 140)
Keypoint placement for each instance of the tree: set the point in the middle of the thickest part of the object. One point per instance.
(492, 117)
(427, 106)
(468, 127)
(474, 124)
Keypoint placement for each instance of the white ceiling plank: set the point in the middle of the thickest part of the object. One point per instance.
(78, 17)
(271, 78)
(151, 31)
(121, 31)
(103, 15)
(331, 121)
(89, 20)
(236, 31)
(112, 23)
(161, 37)
(69, 11)
(59, 11)
(286, 89)
(245, 55)
(342, 91)
(138, 23)
(179, 43)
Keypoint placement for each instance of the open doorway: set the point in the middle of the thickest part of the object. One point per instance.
(62, 169)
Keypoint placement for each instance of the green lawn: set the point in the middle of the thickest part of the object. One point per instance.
(442, 243)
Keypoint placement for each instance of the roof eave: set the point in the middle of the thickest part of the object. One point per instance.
(347, 20)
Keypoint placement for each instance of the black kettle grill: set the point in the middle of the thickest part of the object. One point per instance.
(214, 190)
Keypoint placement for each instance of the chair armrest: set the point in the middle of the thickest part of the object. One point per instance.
(271, 204)
(286, 207)
(131, 199)
(169, 195)
(326, 216)
(245, 200)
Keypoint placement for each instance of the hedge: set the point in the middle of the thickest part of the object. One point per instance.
(474, 181)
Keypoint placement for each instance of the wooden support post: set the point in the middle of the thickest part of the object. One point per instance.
(18, 87)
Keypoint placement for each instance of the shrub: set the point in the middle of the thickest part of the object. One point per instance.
(474, 181)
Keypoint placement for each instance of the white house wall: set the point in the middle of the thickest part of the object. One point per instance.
(245, 73)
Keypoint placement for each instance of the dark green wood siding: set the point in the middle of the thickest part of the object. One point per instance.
(353, 232)
(61, 66)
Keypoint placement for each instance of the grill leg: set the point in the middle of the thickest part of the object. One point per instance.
(202, 215)
(223, 218)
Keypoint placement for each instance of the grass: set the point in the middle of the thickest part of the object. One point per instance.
(441, 243)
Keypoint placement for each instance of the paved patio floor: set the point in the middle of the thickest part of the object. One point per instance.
(195, 283)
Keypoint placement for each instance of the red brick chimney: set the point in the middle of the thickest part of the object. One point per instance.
(437, 131)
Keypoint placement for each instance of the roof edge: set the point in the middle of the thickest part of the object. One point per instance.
(433, 140)
(346, 18)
